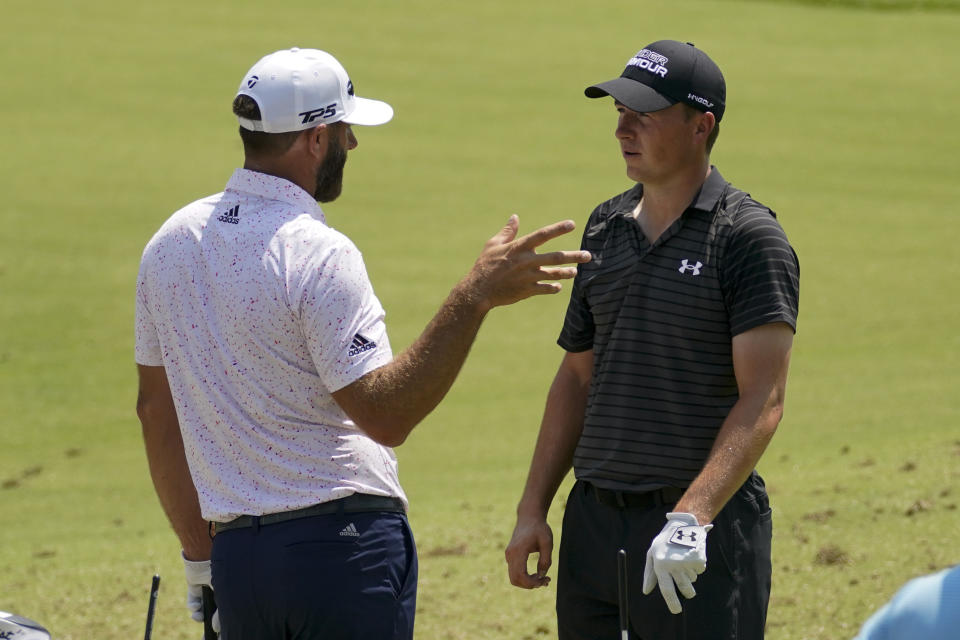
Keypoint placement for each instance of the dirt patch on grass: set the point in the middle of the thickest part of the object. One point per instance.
(820, 516)
(831, 556)
(454, 550)
(918, 507)
(14, 483)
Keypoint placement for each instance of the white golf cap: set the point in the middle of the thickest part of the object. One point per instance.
(298, 89)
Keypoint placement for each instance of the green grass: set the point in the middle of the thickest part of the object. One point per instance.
(881, 5)
(840, 119)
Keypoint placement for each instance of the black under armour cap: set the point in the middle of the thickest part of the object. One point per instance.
(664, 73)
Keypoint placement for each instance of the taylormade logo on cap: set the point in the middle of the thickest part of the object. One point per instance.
(297, 89)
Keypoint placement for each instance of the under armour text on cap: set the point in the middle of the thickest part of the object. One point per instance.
(664, 73)
(298, 89)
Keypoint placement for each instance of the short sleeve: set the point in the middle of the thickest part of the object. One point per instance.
(342, 319)
(761, 274)
(147, 349)
(578, 327)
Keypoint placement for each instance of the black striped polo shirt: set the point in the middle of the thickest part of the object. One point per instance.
(660, 319)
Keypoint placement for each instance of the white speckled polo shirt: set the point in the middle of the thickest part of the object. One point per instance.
(258, 311)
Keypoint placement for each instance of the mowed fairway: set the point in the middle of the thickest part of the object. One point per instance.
(841, 119)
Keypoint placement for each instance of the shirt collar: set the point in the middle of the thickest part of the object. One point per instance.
(710, 192)
(706, 199)
(273, 188)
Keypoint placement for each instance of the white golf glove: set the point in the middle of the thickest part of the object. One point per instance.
(676, 556)
(198, 576)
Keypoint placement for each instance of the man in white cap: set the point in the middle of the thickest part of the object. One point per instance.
(269, 395)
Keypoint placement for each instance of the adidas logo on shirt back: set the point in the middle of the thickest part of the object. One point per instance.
(361, 344)
(232, 216)
(350, 530)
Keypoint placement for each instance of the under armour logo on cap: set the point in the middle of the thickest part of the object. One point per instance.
(650, 61)
(664, 73)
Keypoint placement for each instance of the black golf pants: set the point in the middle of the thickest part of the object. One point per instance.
(732, 594)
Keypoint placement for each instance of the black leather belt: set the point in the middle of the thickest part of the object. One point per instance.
(354, 503)
(632, 500)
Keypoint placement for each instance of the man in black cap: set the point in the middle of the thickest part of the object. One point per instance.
(677, 338)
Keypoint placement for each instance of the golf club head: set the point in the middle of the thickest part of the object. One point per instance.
(17, 627)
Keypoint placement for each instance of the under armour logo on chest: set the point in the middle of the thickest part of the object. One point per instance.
(685, 266)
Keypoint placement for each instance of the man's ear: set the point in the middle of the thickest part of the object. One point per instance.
(316, 140)
(705, 124)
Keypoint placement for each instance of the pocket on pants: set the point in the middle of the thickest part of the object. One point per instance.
(754, 493)
(742, 526)
(408, 574)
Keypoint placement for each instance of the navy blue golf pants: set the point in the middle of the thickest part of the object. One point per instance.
(732, 594)
(348, 576)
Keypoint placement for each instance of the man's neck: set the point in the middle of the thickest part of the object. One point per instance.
(286, 170)
(663, 203)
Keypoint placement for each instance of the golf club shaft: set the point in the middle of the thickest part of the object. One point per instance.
(152, 606)
(622, 594)
(209, 607)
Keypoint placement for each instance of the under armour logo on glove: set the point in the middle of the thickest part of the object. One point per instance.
(686, 536)
(676, 557)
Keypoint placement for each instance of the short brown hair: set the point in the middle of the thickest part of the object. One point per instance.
(260, 143)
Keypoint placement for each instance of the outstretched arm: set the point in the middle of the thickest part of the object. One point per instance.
(389, 402)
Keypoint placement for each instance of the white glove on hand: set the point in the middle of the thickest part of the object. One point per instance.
(676, 556)
(198, 576)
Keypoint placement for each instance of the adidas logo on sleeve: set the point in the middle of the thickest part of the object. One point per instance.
(360, 344)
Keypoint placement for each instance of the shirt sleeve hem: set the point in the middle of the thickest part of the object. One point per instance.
(355, 374)
(575, 347)
(769, 318)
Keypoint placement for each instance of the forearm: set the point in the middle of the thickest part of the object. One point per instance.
(400, 394)
(761, 358)
(171, 476)
(178, 497)
(389, 402)
(740, 443)
(560, 431)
